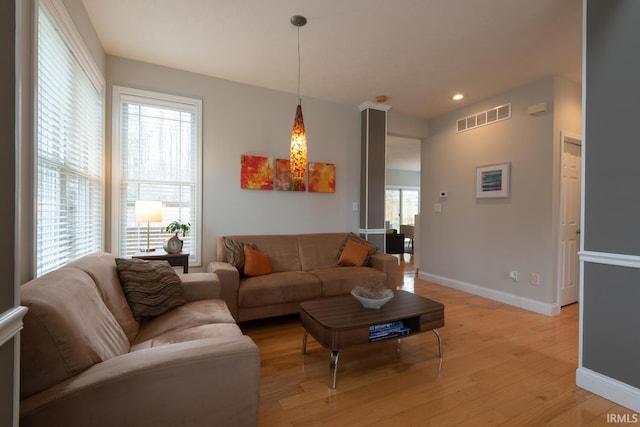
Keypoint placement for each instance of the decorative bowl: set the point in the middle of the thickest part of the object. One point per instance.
(382, 296)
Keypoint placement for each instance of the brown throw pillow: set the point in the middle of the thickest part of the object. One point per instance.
(355, 238)
(354, 254)
(150, 287)
(256, 263)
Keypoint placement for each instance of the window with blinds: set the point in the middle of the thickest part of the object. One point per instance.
(157, 147)
(69, 144)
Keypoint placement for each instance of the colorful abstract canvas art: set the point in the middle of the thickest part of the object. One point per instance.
(283, 175)
(256, 172)
(322, 177)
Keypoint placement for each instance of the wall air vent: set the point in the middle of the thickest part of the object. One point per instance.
(483, 118)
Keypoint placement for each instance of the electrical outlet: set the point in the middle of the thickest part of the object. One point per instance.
(535, 278)
(513, 275)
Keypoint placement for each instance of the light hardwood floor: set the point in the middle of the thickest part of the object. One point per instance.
(502, 366)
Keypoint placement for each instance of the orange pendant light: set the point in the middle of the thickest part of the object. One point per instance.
(298, 150)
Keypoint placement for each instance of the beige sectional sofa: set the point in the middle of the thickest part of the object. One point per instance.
(304, 267)
(86, 361)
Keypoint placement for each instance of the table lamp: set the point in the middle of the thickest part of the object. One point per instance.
(148, 211)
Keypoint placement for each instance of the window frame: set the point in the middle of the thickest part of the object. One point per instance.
(161, 99)
(401, 189)
(67, 30)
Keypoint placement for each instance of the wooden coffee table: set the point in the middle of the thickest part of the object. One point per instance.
(341, 322)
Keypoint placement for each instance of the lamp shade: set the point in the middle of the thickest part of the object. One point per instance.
(148, 211)
(298, 154)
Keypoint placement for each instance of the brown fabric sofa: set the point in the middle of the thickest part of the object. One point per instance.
(86, 361)
(303, 268)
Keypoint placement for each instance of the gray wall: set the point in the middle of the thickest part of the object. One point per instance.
(7, 149)
(613, 65)
(611, 318)
(612, 200)
(7, 208)
(474, 243)
(242, 119)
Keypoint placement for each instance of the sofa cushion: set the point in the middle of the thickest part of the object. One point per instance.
(101, 266)
(256, 263)
(151, 287)
(278, 288)
(192, 314)
(191, 334)
(67, 329)
(319, 250)
(340, 280)
(199, 286)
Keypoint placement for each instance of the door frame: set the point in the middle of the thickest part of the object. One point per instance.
(576, 139)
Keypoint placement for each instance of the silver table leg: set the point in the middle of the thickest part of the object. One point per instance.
(435, 331)
(333, 368)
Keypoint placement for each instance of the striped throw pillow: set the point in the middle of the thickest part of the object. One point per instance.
(150, 287)
(234, 252)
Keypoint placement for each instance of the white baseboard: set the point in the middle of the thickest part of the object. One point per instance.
(609, 388)
(515, 300)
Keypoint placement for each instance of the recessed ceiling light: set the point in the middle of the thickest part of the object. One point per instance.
(458, 97)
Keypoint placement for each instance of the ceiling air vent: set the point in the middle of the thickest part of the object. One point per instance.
(483, 118)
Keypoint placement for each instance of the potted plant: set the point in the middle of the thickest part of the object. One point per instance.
(174, 244)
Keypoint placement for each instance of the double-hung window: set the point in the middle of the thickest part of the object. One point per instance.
(69, 117)
(157, 147)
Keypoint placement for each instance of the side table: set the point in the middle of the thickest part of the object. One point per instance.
(175, 260)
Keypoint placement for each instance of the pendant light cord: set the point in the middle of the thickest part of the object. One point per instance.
(298, 65)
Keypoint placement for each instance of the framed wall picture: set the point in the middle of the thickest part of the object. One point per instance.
(492, 181)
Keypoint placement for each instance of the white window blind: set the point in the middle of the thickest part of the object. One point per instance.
(157, 148)
(69, 147)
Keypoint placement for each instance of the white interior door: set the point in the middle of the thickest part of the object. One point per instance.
(570, 221)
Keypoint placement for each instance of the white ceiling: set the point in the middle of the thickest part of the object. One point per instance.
(416, 52)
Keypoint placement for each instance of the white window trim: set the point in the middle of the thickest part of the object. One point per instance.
(119, 93)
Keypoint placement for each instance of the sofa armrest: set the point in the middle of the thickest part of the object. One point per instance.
(205, 382)
(388, 264)
(229, 284)
(199, 286)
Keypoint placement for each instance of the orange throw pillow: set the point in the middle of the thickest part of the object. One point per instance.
(354, 254)
(256, 263)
